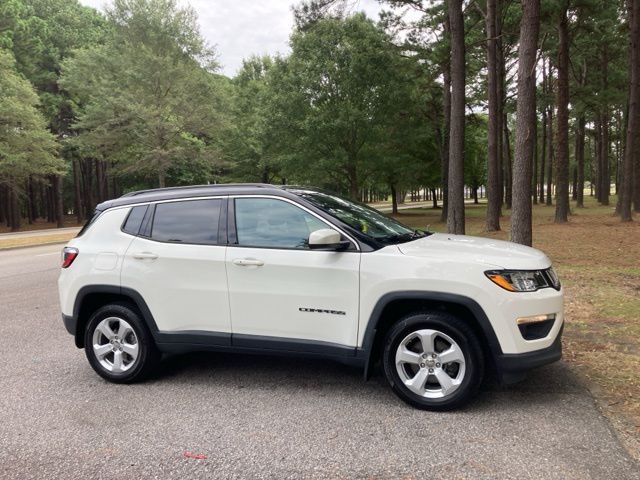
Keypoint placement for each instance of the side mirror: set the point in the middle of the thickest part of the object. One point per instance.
(327, 239)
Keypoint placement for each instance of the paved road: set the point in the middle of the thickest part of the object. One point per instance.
(260, 417)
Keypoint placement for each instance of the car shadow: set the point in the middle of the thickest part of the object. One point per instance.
(325, 377)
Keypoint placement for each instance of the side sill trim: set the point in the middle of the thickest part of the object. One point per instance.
(292, 345)
(180, 342)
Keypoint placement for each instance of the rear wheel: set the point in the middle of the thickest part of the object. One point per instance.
(118, 345)
(433, 361)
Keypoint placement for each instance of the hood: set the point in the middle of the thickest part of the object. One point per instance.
(463, 248)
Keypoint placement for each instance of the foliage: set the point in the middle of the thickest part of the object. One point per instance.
(358, 106)
(334, 98)
(26, 147)
(147, 98)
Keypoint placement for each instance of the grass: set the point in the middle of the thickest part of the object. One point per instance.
(598, 260)
(36, 240)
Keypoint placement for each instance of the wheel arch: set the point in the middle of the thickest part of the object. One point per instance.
(92, 297)
(392, 306)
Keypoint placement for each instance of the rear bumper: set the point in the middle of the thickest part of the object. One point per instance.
(70, 323)
(512, 367)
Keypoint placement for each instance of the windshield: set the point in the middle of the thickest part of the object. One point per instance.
(363, 218)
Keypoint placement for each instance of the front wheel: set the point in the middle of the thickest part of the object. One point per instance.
(433, 361)
(118, 345)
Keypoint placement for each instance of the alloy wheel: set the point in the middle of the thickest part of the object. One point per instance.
(430, 363)
(115, 345)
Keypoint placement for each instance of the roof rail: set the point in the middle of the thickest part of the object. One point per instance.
(185, 187)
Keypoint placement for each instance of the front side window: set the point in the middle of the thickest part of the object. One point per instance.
(267, 222)
(191, 221)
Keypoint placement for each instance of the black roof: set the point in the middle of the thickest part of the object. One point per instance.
(170, 193)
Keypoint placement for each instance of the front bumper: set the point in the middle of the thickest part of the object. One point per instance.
(512, 367)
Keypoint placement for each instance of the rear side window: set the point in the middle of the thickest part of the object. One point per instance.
(134, 220)
(89, 222)
(192, 221)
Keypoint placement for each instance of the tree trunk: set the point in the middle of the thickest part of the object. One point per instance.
(605, 177)
(14, 209)
(3, 205)
(534, 179)
(29, 199)
(562, 101)
(455, 214)
(631, 153)
(550, 148)
(446, 107)
(77, 192)
(508, 165)
(502, 100)
(352, 178)
(394, 199)
(580, 161)
(543, 141)
(99, 180)
(51, 202)
(494, 190)
(34, 199)
(521, 225)
(59, 208)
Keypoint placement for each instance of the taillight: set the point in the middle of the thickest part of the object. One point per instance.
(69, 254)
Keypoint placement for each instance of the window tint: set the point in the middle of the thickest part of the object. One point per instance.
(134, 220)
(192, 221)
(266, 222)
(89, 222)
(361, 217)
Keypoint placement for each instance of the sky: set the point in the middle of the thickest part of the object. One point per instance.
(241, 28)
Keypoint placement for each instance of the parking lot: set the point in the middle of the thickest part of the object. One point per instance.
(233, 416)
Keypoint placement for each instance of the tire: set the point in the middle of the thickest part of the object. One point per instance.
(418, 375)
(118, 344)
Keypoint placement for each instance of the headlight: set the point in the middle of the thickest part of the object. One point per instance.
(524, 280)
(553, 278)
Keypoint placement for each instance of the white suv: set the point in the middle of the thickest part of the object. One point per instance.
(297, 271)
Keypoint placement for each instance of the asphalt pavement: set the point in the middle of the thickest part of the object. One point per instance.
(234, 416)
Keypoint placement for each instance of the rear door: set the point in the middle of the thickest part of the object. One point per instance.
(177, 264)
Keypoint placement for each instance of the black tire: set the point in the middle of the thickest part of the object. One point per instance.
(457, 330)
(147, 357)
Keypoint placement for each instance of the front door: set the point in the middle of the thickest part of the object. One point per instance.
(278, 287)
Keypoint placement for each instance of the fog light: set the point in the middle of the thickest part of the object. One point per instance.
(535, 319)
(536, 327)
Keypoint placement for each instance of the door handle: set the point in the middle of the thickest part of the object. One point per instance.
(248, 262)
(145, 256)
